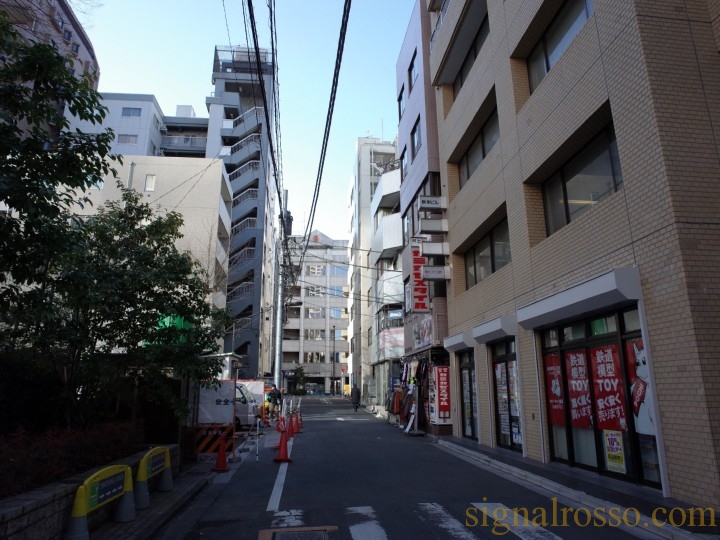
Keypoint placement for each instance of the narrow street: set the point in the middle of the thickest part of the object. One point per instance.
(354, 476)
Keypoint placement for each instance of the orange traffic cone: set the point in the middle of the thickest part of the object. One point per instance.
(221, 464)
(300, 419)
(283, 456)
(296, 423)
(280, 424)
(290, 430)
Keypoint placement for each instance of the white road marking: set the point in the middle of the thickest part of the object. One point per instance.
(513, 522)
(288, 518)
(274, 502)
(366, 530)
(440, 517)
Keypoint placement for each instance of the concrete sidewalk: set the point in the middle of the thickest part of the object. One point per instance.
(192, 479)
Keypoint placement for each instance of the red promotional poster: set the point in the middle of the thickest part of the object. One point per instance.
(578, 389)
(554, 389)
(608, 390)
(443, 386)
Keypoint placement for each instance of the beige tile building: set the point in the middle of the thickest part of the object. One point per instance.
(578, 145)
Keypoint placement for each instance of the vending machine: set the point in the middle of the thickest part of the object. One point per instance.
(439, 395)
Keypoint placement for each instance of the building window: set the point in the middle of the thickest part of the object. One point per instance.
(67, 35)
(336, 291)
(565, 26)
(403, 164)
(416, 138)
(314, 358)
(477, 43)
(127, 139)
(339, 270)
(314, 313)
(591, 176)
(338, 313)
(131, 111)
(412, 72)
(149, 182)
(401, 102)
(479, 148)
(315, 270)
(490, 254)
(314, 291)
(315, 335)
(75, 47)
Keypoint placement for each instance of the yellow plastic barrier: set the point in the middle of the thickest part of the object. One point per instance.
(156, 461)
(106, 485)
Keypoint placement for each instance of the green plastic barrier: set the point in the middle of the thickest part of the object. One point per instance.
(107, 485)
(156, 461)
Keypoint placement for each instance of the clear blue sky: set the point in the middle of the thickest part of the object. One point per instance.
(166, 48)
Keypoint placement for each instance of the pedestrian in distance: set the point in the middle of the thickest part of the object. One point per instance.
(355, 396)
(274, 396)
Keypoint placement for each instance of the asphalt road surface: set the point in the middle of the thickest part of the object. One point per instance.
(352, 475)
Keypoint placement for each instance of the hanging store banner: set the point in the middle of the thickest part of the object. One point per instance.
(609, 394)
(419, 292)
(578, 389)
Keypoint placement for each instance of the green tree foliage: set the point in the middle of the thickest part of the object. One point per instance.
(44, 163)
(109, 290)
(82, 301)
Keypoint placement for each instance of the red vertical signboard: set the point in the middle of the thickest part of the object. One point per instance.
(420, 300)
(443, 389)
(608, 388)
(578, 389)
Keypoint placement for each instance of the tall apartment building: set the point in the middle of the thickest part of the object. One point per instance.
(235, 135)
(53, 22)
(425, 247)
(314, 335)
(239, 126)
(386, 296)
(578, 150)
(371, 156)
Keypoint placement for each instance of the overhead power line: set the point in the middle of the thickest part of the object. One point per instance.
(328, 121)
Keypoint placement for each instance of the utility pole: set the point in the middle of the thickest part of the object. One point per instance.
(332, 359)
(280, 297)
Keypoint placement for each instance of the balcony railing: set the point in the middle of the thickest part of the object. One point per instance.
(245, 254)
(252, 113)
(243, 323)
(247, 195)
(235, 148)
(249, 166)
(242, 290)
(183, 141)
(247, 223)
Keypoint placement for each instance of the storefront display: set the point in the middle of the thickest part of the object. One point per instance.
(596, 380)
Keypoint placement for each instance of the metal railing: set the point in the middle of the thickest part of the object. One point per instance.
(247, 223)
(249, 166)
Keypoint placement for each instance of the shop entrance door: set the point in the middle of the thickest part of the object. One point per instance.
(507, 395)
(468, 404)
